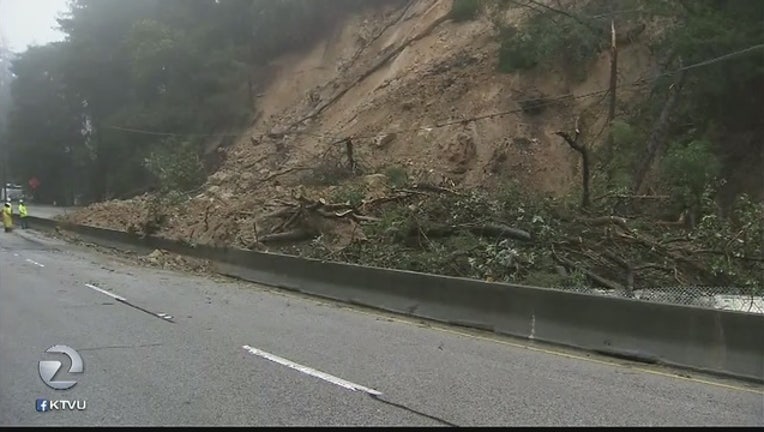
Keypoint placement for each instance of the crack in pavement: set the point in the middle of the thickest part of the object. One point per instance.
(163, 316)
(412, 410)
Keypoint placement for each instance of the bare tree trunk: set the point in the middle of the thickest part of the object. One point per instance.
(584, 152)
(585, 199)
(349, 149)
(657, 142)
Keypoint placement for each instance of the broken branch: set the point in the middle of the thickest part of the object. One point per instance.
(606, 220)
(581, 149)
(433, 188)
(286, 171)
(591, 275)
(296, 235)
(250, 165)
(498, 230)
(494, 230)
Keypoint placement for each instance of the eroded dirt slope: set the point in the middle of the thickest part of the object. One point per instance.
(412, 89)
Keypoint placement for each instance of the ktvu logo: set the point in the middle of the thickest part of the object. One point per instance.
(45, 405)
(48, 369)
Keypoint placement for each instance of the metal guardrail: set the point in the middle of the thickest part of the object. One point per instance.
(716, 341)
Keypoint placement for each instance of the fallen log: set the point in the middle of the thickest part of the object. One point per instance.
(632, 197)
(499, 230)
(606, 283)
(606, 220)
(490, 229)
(330, 214)
(278, 213)
(659, 248)
(432, 188)
(432, 231)
(321, 203)
(627, 267)
(292, 219)
(296, 235)
(362, 218)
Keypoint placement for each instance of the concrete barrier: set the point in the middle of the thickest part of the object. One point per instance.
(721, 342)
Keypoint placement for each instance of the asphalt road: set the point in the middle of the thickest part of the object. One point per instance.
(236, 353)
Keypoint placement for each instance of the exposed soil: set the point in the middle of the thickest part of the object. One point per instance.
(398, 80)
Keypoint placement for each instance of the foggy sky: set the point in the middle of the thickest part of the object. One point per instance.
(30, 22)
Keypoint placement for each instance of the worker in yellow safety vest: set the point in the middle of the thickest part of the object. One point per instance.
(23, 213)
(7, 217)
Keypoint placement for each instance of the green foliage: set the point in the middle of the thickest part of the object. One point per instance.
(548, 39)
(726, 249)
(398, 177)
(465, 10)
(732, 240)
(327, 172)
(352, 194)
(535, 213)
(544, 278)
(688, 169)
(619, 161)
(577, 279)
(625, 136)
(390, 224)
(517, 51)
(176, 165)
(396, 242)
(720, 101)
(180, 66)
(44, 124)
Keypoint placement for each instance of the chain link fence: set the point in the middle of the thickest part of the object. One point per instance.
(749, 300)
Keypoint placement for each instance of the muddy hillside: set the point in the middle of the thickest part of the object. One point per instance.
(395, 140)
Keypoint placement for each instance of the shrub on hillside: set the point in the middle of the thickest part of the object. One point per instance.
(548, 38)
(688, 169)
(465, 10)
(176, 165)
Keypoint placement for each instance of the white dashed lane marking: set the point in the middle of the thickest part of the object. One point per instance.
(34, 262)
(102, 291)
(312, 372)
(164, 316)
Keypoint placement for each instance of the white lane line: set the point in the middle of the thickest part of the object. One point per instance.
(15, 254)
(312, 372)
(164, 316)
(34, 262)
(114, 296)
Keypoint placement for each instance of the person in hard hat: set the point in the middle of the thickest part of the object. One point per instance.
(7, 217)
(23, 213)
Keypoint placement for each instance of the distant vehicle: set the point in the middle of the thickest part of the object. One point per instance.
(12, 191)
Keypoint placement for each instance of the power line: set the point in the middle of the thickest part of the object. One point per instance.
(723, 57)
(147, 132)
(535, 101)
